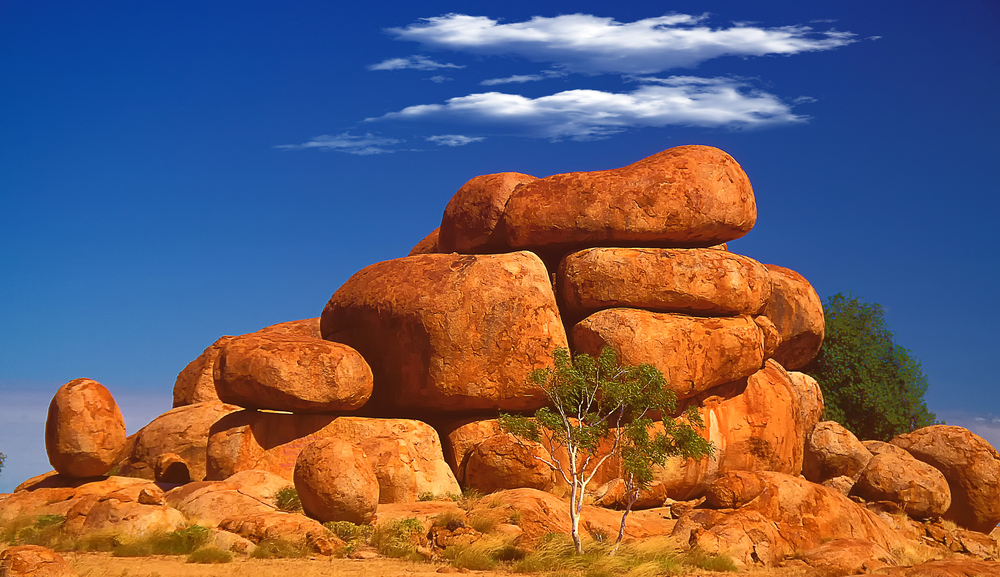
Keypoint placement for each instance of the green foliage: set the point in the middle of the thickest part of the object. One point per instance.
(398, 538)
(44, 530)
(426, 496)
(209, 555)
(180, 542)
(484, 554)
(2, 459)
(708, 561)
(349, 532)
(277, 549)
(287, 499)
(594, 401)
(871, 385)
(654, 557)
(450, 520)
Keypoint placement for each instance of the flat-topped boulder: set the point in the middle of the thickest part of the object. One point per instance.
(286, 372)
(693, 353)
(969, 463)
(84, 430)
(797, 312)
(448, 332)
(683, 196)
(705, 282)
(469, 223)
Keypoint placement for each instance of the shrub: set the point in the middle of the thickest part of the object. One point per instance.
(450, 520)
(483, 523)
(468, 499)
(277, 549)
(426, 496)
(287, 499)
(210, 555)
(710, 562)
(348, 531)
(398, 538)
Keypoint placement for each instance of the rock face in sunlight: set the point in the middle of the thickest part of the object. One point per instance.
(392, 397)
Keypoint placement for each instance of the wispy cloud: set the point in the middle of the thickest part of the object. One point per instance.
(439, 79)
(454, 139)
(413, 62)
(591, 44)
(522, 78)
(362, 145)
(584, 114)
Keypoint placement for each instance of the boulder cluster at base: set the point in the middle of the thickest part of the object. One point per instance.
(388, 401)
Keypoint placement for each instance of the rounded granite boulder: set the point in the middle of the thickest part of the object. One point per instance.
(84, 430)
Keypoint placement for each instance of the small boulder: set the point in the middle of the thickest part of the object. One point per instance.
(693, 353)
(469, 223)
(336, 482)
(84, 430)
(501, 462)
(429, 244)
(448, 332)
(684, 196)
(795, 308)
(290, 373)
(196, 382)
(291, 527)
(833, 451)
(969, 463)
(705, 281)
(33, 561)
(920, 489)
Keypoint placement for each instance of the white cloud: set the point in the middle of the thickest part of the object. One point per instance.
(363, 145)
(591, 44)
(583, 114)
(439, 79)
(415, 62)
(454, 139)
(522, 78)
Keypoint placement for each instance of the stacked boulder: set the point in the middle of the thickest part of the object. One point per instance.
(352, 407)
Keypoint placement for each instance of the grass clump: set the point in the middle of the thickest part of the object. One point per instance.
(277, 549)
(210, 555)
(287, 499)
(44, 530)
(349, 532)
(450, 520)
(180, 542)
(708, 561)
(398, 538)
(653, 557)
(469, 498)
(483, 523)
(484, 554)
(426, 496)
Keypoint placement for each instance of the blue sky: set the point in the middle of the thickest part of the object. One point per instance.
(174, 172)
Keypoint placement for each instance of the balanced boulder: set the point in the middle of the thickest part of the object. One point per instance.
(693, 353)
(469, 223)
(291, 373)
(795, 308)
(684, 196)
(502, 462)
(969, 463)
(896, 476)
(447, 332)
(336, 482)
(196, 382)
(84, 430)
(833, 451)
(705, 281)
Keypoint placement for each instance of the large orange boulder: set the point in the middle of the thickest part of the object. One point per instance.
(795, 309)
(755, 424)
(33, 561)
(447, 332)
(84, 430)
(683, 196)
(700, 281)
(833, 451)
(469, 223)
(896, 476)
(780, 515)
(969, 463)
(183, 432)
(693, 353)
(291, 373)
(501, 462)
(291, 527)
(196, 382)
(336, 482)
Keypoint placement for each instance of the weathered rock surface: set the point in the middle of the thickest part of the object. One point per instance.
(789, 514)
(969, 463)
(336, 482)
(56, 494)
(795, 308)
(183, 432)
(289, 527)
(446, 332)
(833, 451)
(772, 338)
(196, 382)
(461, 437)
(684, 196)
(693, 353)
(810, 398)
(848, 556)
(755, 425)
(430, 244)
(121, 513)
(84, 430)
(290, 373)
(500, 462)
(920, 489)
(307, 328)
(469, 223)
(702, 281)
(245, 493)
(33, 561)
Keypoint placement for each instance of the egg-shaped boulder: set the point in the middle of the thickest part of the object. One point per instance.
(84, 430)
(469, 223)
(336, 482)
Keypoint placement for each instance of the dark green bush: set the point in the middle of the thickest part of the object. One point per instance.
(287, 499)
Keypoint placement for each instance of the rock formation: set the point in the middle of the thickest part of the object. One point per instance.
(84, 430)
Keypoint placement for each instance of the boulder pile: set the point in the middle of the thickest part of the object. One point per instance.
(391, 395)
